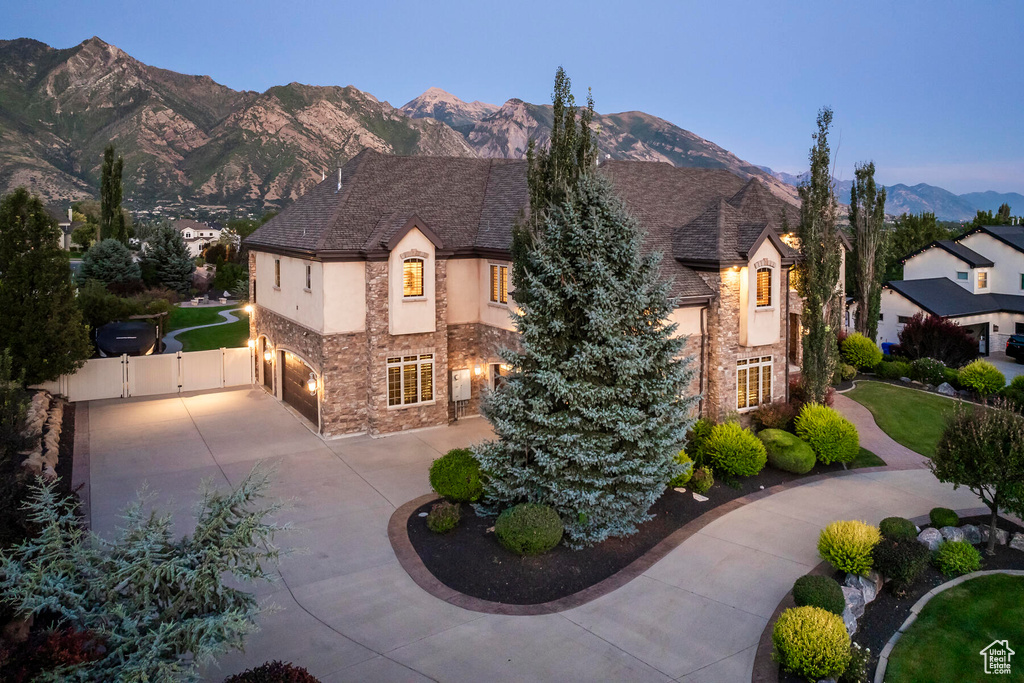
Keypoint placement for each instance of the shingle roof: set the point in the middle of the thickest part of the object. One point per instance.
(472, 205)
(189, 224)
(943, 297)
(968, 256)
(1012, 235)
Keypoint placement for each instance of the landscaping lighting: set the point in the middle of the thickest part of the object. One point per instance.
(252, 343)
(248, 308)
(311, 383)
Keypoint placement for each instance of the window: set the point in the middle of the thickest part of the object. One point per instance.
(764, 287)
(982, 279)
(794, 278)
(963, 275)
(410, 379)
(499, 284)
(1022, 280)
(881, 316)
(1018, 328)
(309, 277)
(412, 277)
(903, 319)
(277, 273)
(498, 373)
(753, 382)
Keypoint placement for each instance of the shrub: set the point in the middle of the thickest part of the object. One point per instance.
(900, 561)
(820, 591)
(45, 651)
(734, 450)
(456, 476)
(857, 669)
(798, 397)
(902, 367)
(982, 377)
(887, 370)
(955, 558)
(775, 415)
(787, 452)
(1014, 392)
(860, 352)
(702, 480)
(684, 476)
(274, 672)
(529, 528)
(443, 517)
(941, 517)
(938, 338)
(811, 642)
(928, 370)
(695, 438)
(848, 372)
(897, 529)
(832, 437)
(847, 545)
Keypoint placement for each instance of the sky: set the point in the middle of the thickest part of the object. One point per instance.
(932, 91)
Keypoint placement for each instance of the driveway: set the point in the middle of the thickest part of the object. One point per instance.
(1008, 366)
(348, 611)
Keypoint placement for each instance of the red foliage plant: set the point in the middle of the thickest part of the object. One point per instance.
(274, 672)
(938, 338)
(798, 397)
(46, 650)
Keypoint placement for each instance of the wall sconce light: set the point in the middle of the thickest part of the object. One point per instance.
(252, 343)
(505, 367)
(311, 383)
(248, 308)
(477, 370)
(268, 355)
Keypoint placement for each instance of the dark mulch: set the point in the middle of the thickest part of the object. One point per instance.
(470, 560)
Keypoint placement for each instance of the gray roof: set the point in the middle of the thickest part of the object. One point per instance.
(942, 297)
(968, 256)
(471, 205)
(1011, 235)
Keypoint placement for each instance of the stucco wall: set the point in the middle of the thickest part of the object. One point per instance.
(470, 301)
(291, 299)
(412, 315)
(1004, 278)
(344, 296)
(894, 305)
(937, 262)
(759, 326)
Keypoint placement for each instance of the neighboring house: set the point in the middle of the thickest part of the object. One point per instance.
(383, 298)
(67, 226)
(197, 236)
(976, 281)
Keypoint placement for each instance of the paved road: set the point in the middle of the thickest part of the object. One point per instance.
(171, 343)
(350, 613)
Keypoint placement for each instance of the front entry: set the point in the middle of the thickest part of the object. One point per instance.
(268, 367)
(294, 391)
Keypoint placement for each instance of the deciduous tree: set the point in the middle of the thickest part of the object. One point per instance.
(113, 224)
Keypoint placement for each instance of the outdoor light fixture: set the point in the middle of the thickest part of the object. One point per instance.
(268, 355)
(311, 383)
(477, 370)
(252, 343)
(248, 308)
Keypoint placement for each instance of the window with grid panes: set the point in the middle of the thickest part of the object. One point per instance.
(499, 284)
(410, 379)
(753, 382)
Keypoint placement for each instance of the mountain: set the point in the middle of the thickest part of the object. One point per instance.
(447, 108)
(991, 201)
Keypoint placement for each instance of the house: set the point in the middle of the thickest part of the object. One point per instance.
(381, 299)
(976, 280)
(65, 223)
(197, 236)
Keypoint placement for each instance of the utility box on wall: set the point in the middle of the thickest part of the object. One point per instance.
(460, 385)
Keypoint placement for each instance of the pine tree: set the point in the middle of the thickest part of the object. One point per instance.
(39, 321)
(820, 264)
(867, 217)
(111, 263)
(167, 260)
(112, 221)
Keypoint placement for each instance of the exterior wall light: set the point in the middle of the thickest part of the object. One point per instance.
(268, 355)
(311, 383)
(252, 343)
(477, 370)
(248, 308)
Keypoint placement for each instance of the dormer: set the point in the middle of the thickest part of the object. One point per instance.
(761, 291)
(412, 265)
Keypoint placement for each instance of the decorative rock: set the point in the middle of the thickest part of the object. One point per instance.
(422, 514)
(865, 584)
(679, 489)
(929, 387)
(951, 533)
(1017, 542)
(854, 601)
(972, 534)
(699, 498)
(946, 389)
(906, 380)
(1002, 535)
(849, 621)
(931, 538)
(964, 393)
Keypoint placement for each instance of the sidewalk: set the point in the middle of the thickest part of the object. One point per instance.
(171, 343)
(875, 440)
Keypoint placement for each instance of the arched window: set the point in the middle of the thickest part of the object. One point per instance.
(764, 287)
(412, 277)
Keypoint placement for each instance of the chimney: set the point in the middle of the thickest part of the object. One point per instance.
(339, 181)
(69, 214)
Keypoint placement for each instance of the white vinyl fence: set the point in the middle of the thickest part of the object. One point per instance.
(170, 373)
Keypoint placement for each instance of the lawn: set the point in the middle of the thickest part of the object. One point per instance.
(186, 316)
(866, 459)
(953, 628)
(913, 418)
(227, 336)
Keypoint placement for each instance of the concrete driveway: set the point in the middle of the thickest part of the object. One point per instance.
(348, 611)
(1008, 366)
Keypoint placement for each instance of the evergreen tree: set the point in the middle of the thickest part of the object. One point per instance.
(111, 263)
(39, 321)
(112, 220)
(867, 217)
(910, 232)
(167, 261)
(819, 268)
(1004, 214)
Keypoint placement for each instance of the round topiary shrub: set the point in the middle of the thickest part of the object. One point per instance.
(847, 545)
(456, 476)
(787, 452)
(941, 517)
(928, 370)
(811, 642)
(982, 377)
(529, 528)
(897, 529)
(847, 372)
(684, 461)
(702, 480)
(443, 517)
(955, 558)
(831, 436)
(734, 450)
(274, 672)
(900, 561)
(887, 370)
(819, 591)
(860, 352)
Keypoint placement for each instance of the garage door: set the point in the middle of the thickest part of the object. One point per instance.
(294, 392)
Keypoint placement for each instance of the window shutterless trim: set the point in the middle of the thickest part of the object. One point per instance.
(412, 277)
(410, 379)
(763, 287)
(498, 290)
(753, 382)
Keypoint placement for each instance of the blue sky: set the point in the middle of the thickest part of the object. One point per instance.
(931, 91)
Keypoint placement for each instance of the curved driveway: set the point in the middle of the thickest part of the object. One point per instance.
(348, 612)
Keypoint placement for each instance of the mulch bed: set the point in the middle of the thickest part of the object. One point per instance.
(470, 559)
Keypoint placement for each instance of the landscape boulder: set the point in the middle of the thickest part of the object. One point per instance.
(849, 621)
(972, 534)
(854, 601)
(906, 380)
(867, 585)
(952, 533)
(946, 389)
(1017, 542)
(1002, 535)
(932, 538)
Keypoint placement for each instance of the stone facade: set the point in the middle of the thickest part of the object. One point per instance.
(475, 344)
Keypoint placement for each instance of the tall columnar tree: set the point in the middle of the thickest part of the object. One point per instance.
(112, 221)
(39, 321)
(111, 263)
(867, 218)
(167, 262)
(595, 408)
(821, 251)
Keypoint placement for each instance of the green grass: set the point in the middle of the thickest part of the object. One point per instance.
(943, 644)
(227, 336)
(187, 316)
(866, 459)
(912, 418)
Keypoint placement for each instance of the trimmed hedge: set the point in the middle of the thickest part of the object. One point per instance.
(702, 480)
(860, 352)
(982, 377)
(787, 452)
(734, 450)
(847, 545)
(832, 437)
(443, 517)
(811, 642)
(529, 529)
(900, 561)
(955, 558)
(456, 476)
(820, 591)
(683, 477)
(941, 517)
(897, 529)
